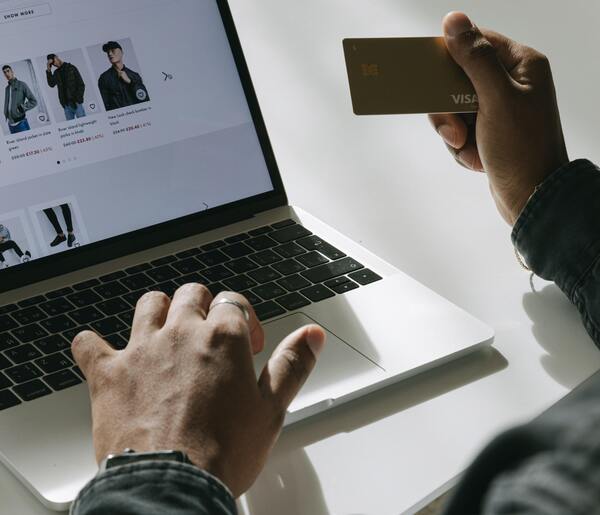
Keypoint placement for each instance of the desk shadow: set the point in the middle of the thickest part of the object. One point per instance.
(289, 483)
(558, 328)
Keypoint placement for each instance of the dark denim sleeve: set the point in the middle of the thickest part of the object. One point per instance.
(153, 488)
(551, 466)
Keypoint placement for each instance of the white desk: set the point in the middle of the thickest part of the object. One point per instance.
(388, 183)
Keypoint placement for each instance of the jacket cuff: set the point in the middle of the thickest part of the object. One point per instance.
(558, 233)
(155, 487)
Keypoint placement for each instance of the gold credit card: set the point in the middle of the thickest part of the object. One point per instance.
(406, 76)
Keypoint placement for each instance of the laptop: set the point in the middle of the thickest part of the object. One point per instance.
(134, 158)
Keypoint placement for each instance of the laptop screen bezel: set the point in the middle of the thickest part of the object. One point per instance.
(197, 223)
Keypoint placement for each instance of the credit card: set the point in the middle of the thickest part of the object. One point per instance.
(406, 76)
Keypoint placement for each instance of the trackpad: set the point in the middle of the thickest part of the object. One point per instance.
(339, 371)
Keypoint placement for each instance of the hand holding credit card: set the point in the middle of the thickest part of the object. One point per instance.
(406, 76)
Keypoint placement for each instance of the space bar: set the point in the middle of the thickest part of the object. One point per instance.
(331, 270)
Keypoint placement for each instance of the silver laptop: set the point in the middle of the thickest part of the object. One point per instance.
(133, 158)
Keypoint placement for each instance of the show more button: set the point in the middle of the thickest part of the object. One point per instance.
(24, 13)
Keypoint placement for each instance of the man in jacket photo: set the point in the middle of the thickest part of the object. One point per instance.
(120, 86)
(71, 88)
(18, 99)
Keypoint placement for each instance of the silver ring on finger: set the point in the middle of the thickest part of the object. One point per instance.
(235, 303)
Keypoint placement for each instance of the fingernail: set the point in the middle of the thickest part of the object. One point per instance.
(315, 339)
(448, 133)
(456, 24)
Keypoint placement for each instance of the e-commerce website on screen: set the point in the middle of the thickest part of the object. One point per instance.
(116, 116)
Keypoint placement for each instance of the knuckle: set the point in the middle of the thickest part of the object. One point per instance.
(481, 48)
(153, 296)
(81, 338)
(228, 330)
(294, 365)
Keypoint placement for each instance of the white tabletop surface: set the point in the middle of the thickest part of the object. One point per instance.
(388, 183)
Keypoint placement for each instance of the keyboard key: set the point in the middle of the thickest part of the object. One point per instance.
(137, 282)
(52, 344)
(242, 265)
(237, 250)
(288, 267)
(134, 270)
(7, 323)
(217, 288)
(365, 277)
(268, 310)
(312, 259)
(293, 301)
(56, 307)
(117, 341)
(29, 315)
(264, 275)
(86, 285)
(7, 340)
(252, 298)
(217, 273)
(8, 308)
(111, 307)
(69, 354)
(290, 250)
(282, 224)
(23, 373)
(8, 400)
(71, 333)
(4, 362)
(237, 238)
(53, 363)
(127, 317)
(57, 294)
(293, 232)
(163, 261)
(294, 282)
(31, 390)
(84, 298)
(86, 315)
(188, 253)
(134, 296)
(345, 287)
(188, 266)
(266, 257)
(111, 290)
(32, 301)
(332, 283)
(168, 288)
(57, 324)
(162, 274)
(331, 270)
(29, 333)
(5, 382)
(108, 278)
(317, 293)
(213, 245)
(22, 353)
(190, 278)
(261, 243)
(269, 291)
(61, 380)
(212, 258)
(239, 283)
(261, 230)
(316, 243)
(108, 326)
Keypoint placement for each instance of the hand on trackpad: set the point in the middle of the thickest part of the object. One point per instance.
(338, 368)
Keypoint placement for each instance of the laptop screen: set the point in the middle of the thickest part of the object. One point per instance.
(117, 115)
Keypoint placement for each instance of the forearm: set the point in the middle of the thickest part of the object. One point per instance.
(154, 487)
(558, 234)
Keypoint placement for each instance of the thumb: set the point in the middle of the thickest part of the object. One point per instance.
(89, 350)
(475, 54)
(290, 365)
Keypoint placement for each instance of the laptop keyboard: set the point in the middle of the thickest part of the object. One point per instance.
(278, 268)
